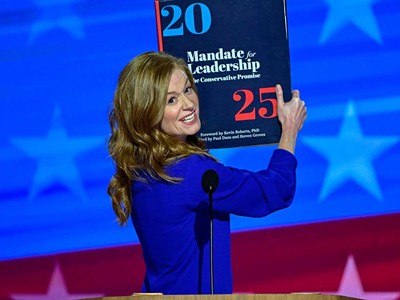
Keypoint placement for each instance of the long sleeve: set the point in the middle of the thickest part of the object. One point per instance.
(241, 192)
(173, 224)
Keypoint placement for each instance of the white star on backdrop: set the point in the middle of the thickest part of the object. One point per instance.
(350, 155)
(356, 12)
(56, 290)
(351, 285)
(56, 14)
(56, 154)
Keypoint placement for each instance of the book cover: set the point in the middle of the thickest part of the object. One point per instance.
(237, 50)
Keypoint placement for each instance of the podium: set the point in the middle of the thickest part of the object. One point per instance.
(299, 296)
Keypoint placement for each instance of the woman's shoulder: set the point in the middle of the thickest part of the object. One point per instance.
(194, 159)
(194, 163)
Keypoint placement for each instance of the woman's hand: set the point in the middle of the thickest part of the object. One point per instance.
(291, 115)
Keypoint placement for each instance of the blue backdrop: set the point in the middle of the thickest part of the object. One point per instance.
(59, 63)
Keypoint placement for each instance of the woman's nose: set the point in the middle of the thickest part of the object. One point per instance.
(187, 104)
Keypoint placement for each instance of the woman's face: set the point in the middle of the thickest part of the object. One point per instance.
(181, 115)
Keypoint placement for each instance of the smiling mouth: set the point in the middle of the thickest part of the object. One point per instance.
(189, 118)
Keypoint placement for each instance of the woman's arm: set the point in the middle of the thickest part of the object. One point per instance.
(291, 115)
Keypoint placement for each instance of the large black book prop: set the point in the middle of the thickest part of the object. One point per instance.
(238, 51)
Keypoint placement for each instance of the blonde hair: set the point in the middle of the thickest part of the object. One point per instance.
(137, 144)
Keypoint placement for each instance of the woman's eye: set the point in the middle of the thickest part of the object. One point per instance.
(188, 90)
(171, 100)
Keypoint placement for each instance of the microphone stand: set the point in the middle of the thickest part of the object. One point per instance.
(211, 242)
(210, 181)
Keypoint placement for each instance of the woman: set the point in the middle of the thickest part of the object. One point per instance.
(159, 167)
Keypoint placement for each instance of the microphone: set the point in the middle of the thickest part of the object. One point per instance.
(210, 181)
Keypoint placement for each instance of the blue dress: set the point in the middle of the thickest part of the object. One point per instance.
(173, 227)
